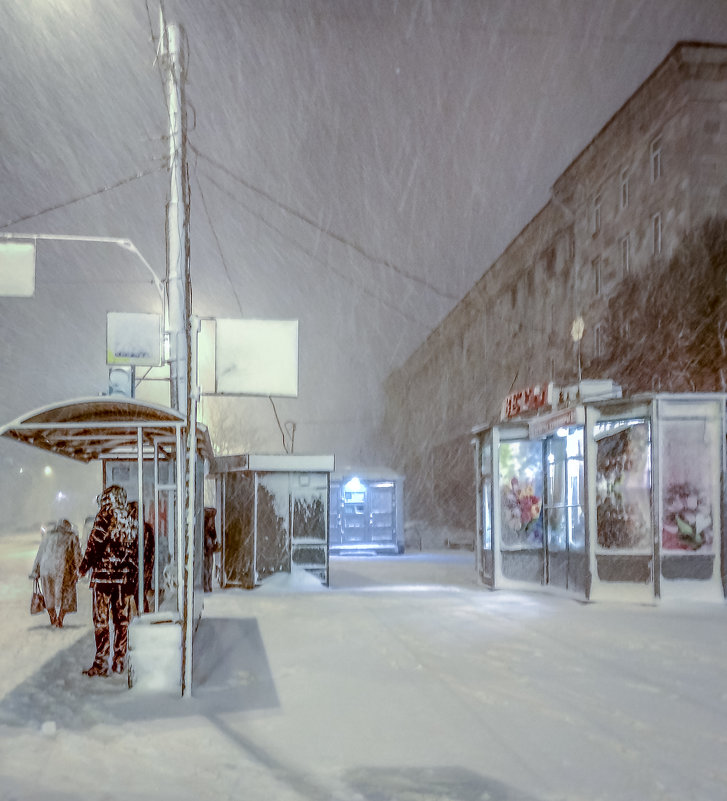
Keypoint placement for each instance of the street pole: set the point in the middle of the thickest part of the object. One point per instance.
(177, 223)
(178, 328)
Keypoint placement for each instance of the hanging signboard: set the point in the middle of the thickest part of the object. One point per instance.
(546, 424)
(17, 269)
(251, 357)
(530, 399)
(133, 339)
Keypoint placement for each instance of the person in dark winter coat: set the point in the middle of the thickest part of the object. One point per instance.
(56, 565)
(210, 546)
(149, 550)
(111, 556)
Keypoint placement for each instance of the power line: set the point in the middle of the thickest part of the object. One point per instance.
(326, 265)
(217, 240)
(327, 231)
(88, 196)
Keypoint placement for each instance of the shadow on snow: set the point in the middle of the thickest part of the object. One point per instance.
(230, 674)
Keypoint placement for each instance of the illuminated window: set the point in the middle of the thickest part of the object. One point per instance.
(354, 491)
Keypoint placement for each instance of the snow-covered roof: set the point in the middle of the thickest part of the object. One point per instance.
(107, 426)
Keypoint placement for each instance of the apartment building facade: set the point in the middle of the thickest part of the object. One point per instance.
(651, 174)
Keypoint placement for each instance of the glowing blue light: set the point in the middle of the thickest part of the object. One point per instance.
(354, 485)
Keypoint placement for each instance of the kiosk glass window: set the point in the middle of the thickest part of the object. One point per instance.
(688, 458)
(521, 493)
(486, 467)
(623, 485)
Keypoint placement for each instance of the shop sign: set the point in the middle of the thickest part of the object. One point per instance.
(526, 400)
(552, 422)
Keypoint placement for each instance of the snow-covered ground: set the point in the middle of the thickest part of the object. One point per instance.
(403, 681)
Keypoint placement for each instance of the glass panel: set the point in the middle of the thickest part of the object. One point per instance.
(555, 516)
(521, 493)
(309, 516)
(165, 565)
(564, 512)
(486, 458)
(623, 484)
(688, 486)
(487, 515)
(272, 537)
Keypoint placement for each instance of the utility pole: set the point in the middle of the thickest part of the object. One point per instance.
(178, 325)
(178, 283)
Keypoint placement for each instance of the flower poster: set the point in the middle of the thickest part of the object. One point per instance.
(521, 493)
(623, 487)
(687, 486)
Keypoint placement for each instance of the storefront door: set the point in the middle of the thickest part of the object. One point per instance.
(564, 541)
(541, 501)
(520, 473)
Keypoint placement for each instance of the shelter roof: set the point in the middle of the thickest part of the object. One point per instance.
(103, 427)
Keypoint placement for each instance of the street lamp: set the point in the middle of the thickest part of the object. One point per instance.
(124, 243)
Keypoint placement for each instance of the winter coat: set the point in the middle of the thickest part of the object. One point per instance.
(112, 550)
(56, 564)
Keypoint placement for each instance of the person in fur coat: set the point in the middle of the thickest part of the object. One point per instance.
(111, 556)
(56, 565)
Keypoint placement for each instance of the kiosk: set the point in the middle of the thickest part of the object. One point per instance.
(605, 497)
(367, 511)
(274, 515)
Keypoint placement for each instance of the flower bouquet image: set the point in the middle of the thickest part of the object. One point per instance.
(687, 518)
(521, 511)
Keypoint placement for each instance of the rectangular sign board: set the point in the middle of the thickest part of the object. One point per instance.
(256, 357)
(17, 269)
(133, 339)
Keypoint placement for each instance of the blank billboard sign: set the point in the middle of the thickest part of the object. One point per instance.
(17, 269)
(257, 357)
(133, 339)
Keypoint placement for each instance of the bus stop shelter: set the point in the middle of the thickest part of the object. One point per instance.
(138, 444)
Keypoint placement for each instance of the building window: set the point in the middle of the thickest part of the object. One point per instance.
(625, 247)
(598, 341)
(597, 273)
(656, 160)
(624, 189)
(656, 234)
(596, 216)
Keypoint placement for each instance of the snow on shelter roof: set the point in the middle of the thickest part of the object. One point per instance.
(103, 427)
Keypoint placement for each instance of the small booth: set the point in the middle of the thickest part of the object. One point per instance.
(604, 497)
(274, 515)
(138, 443)
(367, 512)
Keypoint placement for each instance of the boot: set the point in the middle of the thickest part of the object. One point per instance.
(96, 670)
(53, 617)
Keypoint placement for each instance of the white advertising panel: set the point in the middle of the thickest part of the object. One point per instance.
(257, 357)
(133, 338)
(17, 269)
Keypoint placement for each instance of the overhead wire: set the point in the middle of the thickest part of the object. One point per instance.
(327, 231)
(217, 240)
(346, 276)
(64, 204)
